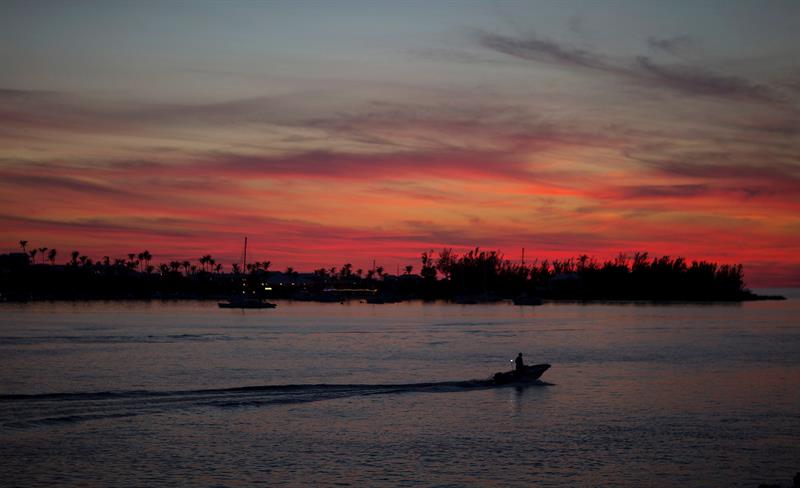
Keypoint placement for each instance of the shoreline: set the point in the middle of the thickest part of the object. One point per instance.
(451, 301)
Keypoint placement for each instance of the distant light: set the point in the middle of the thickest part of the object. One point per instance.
(268, 288)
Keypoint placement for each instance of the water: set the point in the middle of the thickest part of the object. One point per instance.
(156, 393)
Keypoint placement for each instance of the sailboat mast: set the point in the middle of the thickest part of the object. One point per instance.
(244, 256)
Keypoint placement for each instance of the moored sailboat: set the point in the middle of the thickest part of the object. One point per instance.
(246, 299)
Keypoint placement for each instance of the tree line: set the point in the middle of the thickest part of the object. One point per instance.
(485, 274)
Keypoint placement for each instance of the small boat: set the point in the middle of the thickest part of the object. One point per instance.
(529, 375)
(246, 302)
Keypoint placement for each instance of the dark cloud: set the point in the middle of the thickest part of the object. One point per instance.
(12, 94)
(660, 191)
(684, 79)
(698, 81)
(543, 50)
(452, 128)
(730, 191)
(103, 226)
(735, 179)
(787, 128)
(50, 182)
(710, 166)
(676, 46)
(331, 164)
(29, 109)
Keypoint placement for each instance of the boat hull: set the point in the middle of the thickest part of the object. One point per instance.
(246, 305)
(531, 374)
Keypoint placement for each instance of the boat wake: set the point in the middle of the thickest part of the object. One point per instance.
(28, 411)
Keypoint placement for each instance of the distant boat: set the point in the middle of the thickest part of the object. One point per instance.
(245, 301)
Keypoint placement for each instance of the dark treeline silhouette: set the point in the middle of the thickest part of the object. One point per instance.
(636, 277)
(474, 276)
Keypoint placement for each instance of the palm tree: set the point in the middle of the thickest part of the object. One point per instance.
(218, 269)
(32, 253)
(206, 259)
(42, 251)
(346, 271)
(147, 257)
(186, 266)
(144, 258)
(409, 269)
(24, 246)
(51, 256)
(106, 261)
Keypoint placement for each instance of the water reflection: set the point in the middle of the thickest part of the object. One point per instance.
(523, 397)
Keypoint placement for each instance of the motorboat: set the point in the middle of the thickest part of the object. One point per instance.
(529, 374)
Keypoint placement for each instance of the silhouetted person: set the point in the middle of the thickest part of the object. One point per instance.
(519, 366)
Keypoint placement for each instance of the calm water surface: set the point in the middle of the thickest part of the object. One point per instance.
(156, 393)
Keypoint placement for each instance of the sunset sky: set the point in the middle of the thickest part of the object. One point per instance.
(333, 132)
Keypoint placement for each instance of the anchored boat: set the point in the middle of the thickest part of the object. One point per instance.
(246, 300)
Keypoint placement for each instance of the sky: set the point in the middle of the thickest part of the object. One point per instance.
(336, 132)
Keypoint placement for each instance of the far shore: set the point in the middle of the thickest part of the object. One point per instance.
(474, 277)
(212, 299)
